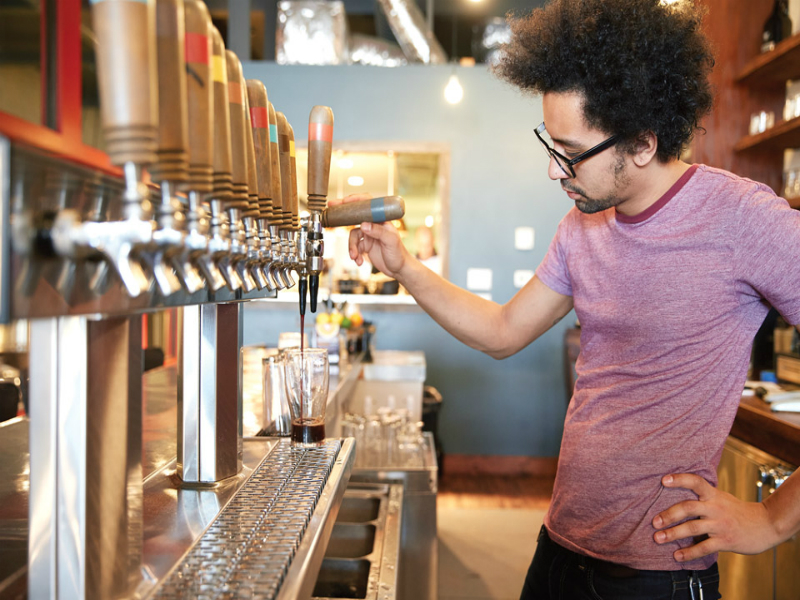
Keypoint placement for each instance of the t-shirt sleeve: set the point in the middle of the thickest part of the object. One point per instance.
(553, 270)
(767, 249)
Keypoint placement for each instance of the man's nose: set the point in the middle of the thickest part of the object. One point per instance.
(554, 170)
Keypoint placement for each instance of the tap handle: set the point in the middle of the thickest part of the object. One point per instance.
(126, 73)
(173, 134)
(376, 210)
(223, 187)
(293, 185)
(239, 124)
(320, 139)
(286, 170)
(199, 96)
(275, 162)
(259, 119)
(252, 173)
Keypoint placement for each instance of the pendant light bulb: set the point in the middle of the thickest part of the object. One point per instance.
(453, 92)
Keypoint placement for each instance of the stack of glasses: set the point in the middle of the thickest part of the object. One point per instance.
(388, 439)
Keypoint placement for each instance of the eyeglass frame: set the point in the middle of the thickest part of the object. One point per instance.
(571, 162)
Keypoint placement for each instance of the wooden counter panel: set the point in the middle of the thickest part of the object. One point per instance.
(774, 433)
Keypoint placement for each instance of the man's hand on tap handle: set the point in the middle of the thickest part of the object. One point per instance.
(380, 241)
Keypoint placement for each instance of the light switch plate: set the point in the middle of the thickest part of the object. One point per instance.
(521, 277)
(524, 238)
(479, 280)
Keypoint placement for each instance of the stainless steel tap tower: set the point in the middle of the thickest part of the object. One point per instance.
(195, 215)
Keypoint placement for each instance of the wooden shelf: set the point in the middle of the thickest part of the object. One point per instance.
(775, 67)
(785, 134)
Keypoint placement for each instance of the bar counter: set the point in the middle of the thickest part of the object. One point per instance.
(777, 433)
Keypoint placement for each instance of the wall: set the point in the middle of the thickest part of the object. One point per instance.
(498, 182)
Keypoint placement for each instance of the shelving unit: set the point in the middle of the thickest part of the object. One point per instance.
(773, 69)
(786, 134)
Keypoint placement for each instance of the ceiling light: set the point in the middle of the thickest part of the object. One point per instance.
(355, 181)
(345, 163)
(453, 92)
(429, 221)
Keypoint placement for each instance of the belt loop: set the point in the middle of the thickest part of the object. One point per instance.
(542, 534)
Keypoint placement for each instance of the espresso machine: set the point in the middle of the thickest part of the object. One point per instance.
(196, 210)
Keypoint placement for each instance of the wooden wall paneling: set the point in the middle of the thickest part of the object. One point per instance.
(734, 27)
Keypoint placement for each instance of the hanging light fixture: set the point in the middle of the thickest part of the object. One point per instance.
(453, 92)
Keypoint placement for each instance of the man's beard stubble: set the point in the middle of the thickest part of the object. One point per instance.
(589, 205)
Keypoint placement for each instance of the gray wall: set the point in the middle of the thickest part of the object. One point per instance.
(498, 182)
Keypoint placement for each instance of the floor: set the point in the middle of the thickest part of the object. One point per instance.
(487, 533)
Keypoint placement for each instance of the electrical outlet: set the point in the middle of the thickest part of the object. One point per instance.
(479, 280)
(521, 277)
(524, 238)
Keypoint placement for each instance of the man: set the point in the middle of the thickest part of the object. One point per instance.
(669, 268)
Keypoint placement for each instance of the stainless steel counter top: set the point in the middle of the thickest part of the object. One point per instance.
(177, 518)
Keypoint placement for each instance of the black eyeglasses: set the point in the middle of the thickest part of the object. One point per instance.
(565, 163)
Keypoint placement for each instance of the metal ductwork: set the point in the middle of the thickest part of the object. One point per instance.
(412, 33)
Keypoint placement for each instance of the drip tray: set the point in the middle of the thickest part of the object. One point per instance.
(362, 556)
(342, 578)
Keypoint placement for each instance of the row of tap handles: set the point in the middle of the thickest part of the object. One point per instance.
(175, 105)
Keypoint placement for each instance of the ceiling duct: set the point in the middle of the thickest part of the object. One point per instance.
(311, 32)
(412, 33)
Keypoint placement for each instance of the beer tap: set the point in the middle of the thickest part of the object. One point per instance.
(220, 243)
(276, 222)
(320, 139)
(126, 63)
(259, 120)
(287, 247)
(239, 199)
(250, 216)
(372, 210)
(200, 109)
(170, 170)
(297, 234)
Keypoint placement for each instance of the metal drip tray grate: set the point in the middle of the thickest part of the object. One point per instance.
(247, 550)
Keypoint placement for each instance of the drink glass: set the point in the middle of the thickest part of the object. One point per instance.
(307, 391)
(276, 419)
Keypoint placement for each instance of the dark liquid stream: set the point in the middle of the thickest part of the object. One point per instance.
(308, 431)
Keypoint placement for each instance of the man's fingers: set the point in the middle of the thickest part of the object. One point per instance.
(688, 509)
(704, 548)
(357, 245)
(377, 231)
(689, 481)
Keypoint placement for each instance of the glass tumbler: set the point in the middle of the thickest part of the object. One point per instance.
(275, 407)
(307, 391)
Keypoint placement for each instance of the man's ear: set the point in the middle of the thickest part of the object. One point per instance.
(645, 148)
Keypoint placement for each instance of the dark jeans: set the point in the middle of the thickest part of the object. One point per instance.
(560, 574)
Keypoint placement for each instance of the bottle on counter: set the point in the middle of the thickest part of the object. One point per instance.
(778, 26)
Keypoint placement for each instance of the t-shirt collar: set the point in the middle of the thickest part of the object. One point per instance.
(658, 204)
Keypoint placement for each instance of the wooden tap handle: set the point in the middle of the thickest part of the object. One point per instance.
(286, 171)
(275, 162)
(293, 187)
(199, 96)
(252, 174)
(173, 135)
(126, 74)
(259, 119)
(376, 210)
(238, 136)
(223, 187)
(320, 140)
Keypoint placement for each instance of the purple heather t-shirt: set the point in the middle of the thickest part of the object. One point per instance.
(669, 302)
